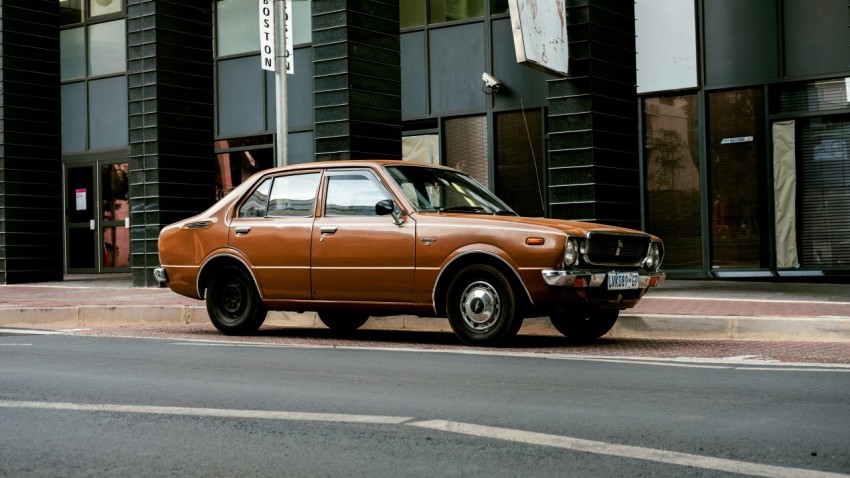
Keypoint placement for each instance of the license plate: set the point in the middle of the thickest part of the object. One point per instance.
(623, 280)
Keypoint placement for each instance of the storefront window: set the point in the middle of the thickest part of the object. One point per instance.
(423, 148)
(519, 167)
(450, 10)
(466, 146)
(239, 159)
(673, 178)
(737, 166)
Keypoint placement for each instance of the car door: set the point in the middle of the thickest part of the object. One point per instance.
(272, 228)
(356, 254)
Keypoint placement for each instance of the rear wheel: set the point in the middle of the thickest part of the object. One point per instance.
(583, 323)
(233, 302)
(481, 306)
(343, 322)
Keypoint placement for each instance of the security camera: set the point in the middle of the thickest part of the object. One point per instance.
(490, 82)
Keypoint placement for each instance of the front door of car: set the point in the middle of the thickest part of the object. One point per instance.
(356, 254)
(272, 228)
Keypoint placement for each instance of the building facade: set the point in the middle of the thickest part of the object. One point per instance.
(722, 126)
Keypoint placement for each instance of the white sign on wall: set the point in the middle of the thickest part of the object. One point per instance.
(666, 44)
(540, 34)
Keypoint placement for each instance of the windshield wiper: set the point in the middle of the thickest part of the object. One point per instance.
(505, 213)
(475, 209)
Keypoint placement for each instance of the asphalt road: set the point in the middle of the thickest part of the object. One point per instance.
(110, 406)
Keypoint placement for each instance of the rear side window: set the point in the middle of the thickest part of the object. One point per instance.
(294, 196)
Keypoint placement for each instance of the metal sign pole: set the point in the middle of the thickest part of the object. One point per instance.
(281, 59)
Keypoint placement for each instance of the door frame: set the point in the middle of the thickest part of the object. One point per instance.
(97, 223)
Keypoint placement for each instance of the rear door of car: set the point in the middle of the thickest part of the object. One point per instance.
(272, 228)
(356, 254)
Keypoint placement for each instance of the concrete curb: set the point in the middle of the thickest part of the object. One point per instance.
(633, 326)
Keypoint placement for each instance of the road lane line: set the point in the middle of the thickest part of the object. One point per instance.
(623, 451)
(209, 412)
(481, 431)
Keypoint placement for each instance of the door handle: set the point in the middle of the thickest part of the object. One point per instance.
(328, 229)
(242, 229)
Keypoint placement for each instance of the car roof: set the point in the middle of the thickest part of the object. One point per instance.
(350, 163)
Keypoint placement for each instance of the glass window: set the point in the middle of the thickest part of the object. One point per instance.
(255, 205)
(237, 27)
(107, 48)
(498, 6)
(70, 11)
(294, 196)
(466, 146)
(450, 10)
(353, 193)
(240, 96)
(412, 13)
(104, 7)
(673, 178)
(74, 123)
(302, 22)
(234, 167)
(108, 122)
(519, 167)
(421, 149)
(72, 53)
(737, 166)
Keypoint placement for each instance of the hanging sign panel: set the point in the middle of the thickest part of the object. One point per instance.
(666, 44)
(540, 34)
(267, 34)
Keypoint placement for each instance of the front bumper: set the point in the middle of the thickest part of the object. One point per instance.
(160, 275)
(582, 279)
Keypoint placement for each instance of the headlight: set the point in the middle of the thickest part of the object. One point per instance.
(570, 253)
(653, 257)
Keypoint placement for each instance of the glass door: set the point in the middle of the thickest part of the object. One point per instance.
(97, 211)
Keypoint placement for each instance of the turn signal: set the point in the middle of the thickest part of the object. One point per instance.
(534, 241)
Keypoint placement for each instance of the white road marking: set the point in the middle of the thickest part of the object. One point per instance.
(623, 451)
(731, 299)
(481, 431)
(30, 332)
(724, 363)
(209, 412)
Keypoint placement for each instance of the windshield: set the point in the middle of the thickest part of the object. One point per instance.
(442, 190)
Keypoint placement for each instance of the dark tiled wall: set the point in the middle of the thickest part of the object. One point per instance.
(171, 95)
(593, 118)
(30, 142)
(356, 79)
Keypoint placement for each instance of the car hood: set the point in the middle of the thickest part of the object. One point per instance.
(573, 228)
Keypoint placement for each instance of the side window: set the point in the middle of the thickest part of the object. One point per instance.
(354, 193)
(255, 205)
(294, 196)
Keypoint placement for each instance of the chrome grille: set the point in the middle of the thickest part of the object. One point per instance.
(616, 249)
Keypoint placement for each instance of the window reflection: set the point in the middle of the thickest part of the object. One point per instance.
(70, 11)
(450, 10)
(235, 164)
(736, 133)
(673, 178)
(107, 48)
(411, 13)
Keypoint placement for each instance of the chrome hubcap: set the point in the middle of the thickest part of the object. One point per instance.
(480, 306)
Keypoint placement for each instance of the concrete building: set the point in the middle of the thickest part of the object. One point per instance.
(720, 125)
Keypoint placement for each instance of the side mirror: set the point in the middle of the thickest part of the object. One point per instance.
(387, 206)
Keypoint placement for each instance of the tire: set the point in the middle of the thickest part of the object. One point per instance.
(233, 302)
(342, 322)
(481, 306)
(584, 323)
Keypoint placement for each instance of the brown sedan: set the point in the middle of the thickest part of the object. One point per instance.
(356, 239)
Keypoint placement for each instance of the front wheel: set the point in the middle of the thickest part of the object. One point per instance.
(583, 323)
(481, 306)
(342, 322)
(233, 303)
